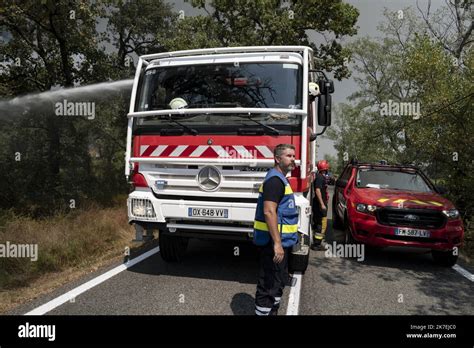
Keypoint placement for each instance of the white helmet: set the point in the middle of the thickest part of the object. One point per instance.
(314, 89)
(178, 103)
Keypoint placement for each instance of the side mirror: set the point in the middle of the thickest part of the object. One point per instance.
(324, 110)
(441, 189)
(324, 102)
(312, 137)
(326, 86)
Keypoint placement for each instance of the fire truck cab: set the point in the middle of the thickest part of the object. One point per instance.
(202, 127)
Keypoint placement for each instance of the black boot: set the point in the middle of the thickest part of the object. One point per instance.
(274, 311)
(316, 245)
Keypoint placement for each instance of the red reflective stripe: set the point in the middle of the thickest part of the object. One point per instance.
(209, 153)
(149, 150)
(192, 145)
(168, 150)
(189, 150)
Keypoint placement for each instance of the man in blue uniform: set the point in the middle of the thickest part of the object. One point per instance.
(275, 231)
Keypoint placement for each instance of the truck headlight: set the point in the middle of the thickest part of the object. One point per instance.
(451, 214)
(142, 208)
(365, 208)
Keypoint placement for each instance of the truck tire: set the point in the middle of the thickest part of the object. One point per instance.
(444, 258)
(348, 238)
(298, 262)
(172, 248)
(336, 222)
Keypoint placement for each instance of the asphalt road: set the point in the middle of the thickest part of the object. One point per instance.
(213, 280)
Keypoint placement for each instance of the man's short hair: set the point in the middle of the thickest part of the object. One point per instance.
(278, 151)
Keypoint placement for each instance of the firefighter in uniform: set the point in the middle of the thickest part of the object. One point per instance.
(320, 204)
(275, 231)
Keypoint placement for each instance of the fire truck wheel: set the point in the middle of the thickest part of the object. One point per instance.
(298, 262)
(444, 258)
(172, 248)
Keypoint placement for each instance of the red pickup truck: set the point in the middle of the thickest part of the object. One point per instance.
(396, 205)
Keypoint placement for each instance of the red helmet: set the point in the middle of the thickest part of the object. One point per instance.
(323, 165)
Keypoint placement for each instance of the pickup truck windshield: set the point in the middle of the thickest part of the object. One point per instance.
(393, 180)
(254, 85)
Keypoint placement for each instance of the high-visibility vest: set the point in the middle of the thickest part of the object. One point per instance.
(287, 216)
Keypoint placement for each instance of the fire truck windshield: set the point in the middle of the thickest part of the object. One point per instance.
(251, 85)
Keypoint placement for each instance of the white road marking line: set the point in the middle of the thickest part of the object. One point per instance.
(90, 284)
(465, 273)
(294, 298)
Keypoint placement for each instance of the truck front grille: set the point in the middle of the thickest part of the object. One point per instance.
(181, 181)
(418, 218)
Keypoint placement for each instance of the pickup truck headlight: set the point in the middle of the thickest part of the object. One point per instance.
(451, 214)
(365, 208)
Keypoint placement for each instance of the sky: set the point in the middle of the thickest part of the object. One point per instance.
(370, 16)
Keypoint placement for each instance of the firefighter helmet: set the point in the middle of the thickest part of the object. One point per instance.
(178, 103)
(323, 165)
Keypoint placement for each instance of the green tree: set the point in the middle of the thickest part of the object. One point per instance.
(442, 137)
(334, 166)
(413, 64)
(60, 44)
(50, 45)
(271, 22)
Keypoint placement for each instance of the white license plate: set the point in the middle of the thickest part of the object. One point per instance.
(412, 232)
(208, 212)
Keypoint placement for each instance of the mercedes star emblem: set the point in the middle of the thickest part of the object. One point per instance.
(209, 178)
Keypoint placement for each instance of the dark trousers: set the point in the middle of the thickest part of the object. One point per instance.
(271, 281)
(318, 216)
(318, 213)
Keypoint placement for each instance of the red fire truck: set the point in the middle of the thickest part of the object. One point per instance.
(202, 128)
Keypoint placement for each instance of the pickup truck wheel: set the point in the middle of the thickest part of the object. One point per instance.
(172, 248)
(444, 258)
(336, 222)
(348, 238)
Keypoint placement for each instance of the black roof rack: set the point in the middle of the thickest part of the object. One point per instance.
(379, 165)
